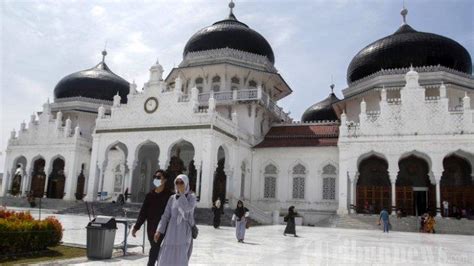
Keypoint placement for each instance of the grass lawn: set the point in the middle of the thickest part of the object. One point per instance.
(51, 254)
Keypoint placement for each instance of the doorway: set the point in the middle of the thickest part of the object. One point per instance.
(420, 200)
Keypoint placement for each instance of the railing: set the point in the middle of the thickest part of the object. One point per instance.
(246, 95)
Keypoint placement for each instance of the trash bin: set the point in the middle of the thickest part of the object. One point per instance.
(100, 237)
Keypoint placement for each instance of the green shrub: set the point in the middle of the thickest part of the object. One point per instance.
(20, 233)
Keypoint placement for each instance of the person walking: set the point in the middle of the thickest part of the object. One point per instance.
(240, 217)
(217, 210)
(290, 222)
(445, 208)
(430, 224)
(384, 218)
(152, 210)
(177, 222)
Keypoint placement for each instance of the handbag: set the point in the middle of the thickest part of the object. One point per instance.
(194, 231)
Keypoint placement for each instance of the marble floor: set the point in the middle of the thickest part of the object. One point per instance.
(266, 245)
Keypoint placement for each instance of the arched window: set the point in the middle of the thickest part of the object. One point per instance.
(329, 182)
(234, 83)
(270, 175)
(253, 84)
(299, 176)
(216, 83)
(199, 84)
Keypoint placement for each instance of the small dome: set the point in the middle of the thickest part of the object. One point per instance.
(98, 82)
(409, 47)
(322, 110)
(229, 33)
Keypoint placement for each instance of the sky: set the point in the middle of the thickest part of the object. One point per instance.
(313, 41)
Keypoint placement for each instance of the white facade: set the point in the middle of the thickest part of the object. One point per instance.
(217, 106)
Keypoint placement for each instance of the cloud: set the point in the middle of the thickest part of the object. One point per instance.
(97, 11)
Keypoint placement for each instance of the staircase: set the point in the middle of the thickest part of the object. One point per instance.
(405, 224)
(46, 203)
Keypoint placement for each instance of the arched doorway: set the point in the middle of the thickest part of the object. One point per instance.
(220, 178)
(373, 186)
(38, 178)
(147, 156)
(415, 193)
(456, 184)
(81, 180)
(56, 180)
(18, 176)
(113, 182)
(182, 162)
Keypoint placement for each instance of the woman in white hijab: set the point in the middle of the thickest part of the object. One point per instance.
(176, 222)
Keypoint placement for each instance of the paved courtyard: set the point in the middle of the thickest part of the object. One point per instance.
(265, 245)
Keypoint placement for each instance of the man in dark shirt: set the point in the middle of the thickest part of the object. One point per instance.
(152, 208)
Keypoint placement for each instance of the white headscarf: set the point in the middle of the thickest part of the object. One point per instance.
(185, 179)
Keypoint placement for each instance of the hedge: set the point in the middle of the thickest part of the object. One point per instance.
(20, 233)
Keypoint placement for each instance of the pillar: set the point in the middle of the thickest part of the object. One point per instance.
(352, 208)
(438, 195)
(47, 169)
(394, 200)
(131, 164)
(342, 209)
(71, 177)
(93, 171)
(24, 180)
(209, 164)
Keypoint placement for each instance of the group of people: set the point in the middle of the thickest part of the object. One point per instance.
(169, 212)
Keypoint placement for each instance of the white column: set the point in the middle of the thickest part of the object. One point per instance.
(208, 167)
(394, 200)
(71, 177)
(24, 180)
(438, 194)
(352, 194)
(93, 172)
(47, 169)
(343, 170)
(131, 164)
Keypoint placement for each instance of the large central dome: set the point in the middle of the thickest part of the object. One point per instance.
(230, 33)
(408, 47)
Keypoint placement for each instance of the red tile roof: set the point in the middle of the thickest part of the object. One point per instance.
(301, 135)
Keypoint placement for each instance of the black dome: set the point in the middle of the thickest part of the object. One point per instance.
(230, 33)
(409, 47)
(98, 82)
(321, 111)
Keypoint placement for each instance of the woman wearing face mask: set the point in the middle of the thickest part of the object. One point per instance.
(152, 210)
(177, 221)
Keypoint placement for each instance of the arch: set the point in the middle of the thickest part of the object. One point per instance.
(370, 154)
(181, 155)
(57, 178)
(146, 154)
(216, 83)
(415, 192)
(107, 177)
(456, 185)
(419, 154)
(54, 158)
(373, 187)
(295, 163)
(38, 176)
(469, 157)
(18, 177)
(252, 84)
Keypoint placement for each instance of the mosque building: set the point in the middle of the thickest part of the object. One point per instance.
(402, 136)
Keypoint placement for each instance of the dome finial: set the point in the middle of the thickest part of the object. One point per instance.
(332, 84)
(231, 6)
(404, 13)
(104, 52)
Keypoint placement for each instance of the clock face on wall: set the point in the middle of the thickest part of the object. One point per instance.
(151, 104)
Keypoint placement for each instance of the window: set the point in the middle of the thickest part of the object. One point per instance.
(199, 84)
(329, 182)
(299, 176)
(270, 174)
(216, 83)
(234, 83)
(253, 84)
